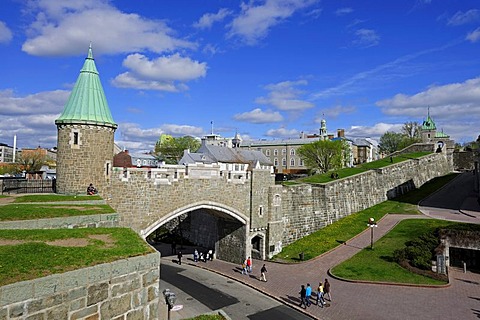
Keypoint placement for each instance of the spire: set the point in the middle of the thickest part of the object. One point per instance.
(87, 102)
(428, 123)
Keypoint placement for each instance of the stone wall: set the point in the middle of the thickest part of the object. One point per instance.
(84, 163)
(464, 160)
(124, 289)
(305, 208)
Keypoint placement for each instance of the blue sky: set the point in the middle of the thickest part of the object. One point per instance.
(266, 69)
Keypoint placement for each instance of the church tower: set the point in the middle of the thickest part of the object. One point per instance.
(429, 129)
(85, 135)
(323, 130)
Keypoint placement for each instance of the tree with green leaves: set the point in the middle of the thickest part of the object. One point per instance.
(390, 142)
(170, 149)
(411, 129)
(323, 155)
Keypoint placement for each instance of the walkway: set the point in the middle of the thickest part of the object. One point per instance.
(460, 300)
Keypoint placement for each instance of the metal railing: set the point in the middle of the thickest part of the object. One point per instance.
(22, 185)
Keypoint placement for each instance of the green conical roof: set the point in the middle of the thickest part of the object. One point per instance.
(87, 103)
(428, 123)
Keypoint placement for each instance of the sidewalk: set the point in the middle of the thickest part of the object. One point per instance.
(360, 300)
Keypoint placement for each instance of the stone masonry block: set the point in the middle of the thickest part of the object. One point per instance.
(151, 277)
(125, 287)
(17, 310)
(75, 278)
(47, 286)
(3, 313)
(85, 313)
(75, 294)
(115, 307)
(135, 315)
(98, 273)
(59, 312)
(36, 316)
(16, 292)
(77, 304)
(97, 293)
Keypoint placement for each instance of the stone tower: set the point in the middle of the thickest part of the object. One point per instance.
(85, 135)
(429, 129)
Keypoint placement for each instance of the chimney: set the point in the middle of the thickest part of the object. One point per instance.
(340, 133)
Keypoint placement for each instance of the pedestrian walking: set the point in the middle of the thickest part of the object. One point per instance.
(179, 256)
(263, 272)
(308, 294)
(303, 295)
(195, 255)
(320, 298)
(244, 267)
(249, 264)
(326, 290)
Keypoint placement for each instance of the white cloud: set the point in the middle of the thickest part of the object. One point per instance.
(38, 103)
(255, 21)
(474, 35)
(31, 117)
(283, 133)
(164, 73)
(259, 116)
(366, 38)
(284, 96)
(460, 17)
(375, 131)
(343, 11)
(451, 100)
(182, 130)
(208, 19)
(5, 33)
(66, 28)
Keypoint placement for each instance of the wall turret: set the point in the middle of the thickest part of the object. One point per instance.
(85, 135)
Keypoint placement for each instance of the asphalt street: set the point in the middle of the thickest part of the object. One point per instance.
(200, 291)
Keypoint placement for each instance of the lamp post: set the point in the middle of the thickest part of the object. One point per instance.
(372, 224)
(170, 299)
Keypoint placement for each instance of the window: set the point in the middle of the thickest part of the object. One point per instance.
(275, 152)
(292, 162)
(260, 211)
(284, 151)
(267, 152)
(292, 152)
(277, 200)
(236, 167)
(301, 163)
(75, 138)
(275, 162)
(284, 162)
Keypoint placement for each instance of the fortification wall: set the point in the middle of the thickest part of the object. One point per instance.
(124, 289)
(107, 220)
(307, 208)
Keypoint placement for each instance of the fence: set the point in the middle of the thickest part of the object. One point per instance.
(21, 185)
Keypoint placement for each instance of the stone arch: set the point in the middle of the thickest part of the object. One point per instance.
(209, 225)
(192, 207)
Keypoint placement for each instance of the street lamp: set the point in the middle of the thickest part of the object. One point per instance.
(372, 224)
(170, 299)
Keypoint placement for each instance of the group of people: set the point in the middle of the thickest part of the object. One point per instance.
(203, 256)
(247, 267)
(323, 290)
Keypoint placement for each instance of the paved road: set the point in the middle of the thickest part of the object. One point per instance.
(201, 291)
(460, 300)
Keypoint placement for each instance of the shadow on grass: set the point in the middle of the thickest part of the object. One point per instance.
(387, 258)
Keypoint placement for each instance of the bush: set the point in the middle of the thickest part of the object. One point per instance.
(419, 252)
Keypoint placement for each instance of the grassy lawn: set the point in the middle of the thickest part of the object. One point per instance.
(378, 264)
(333, 235)
(346, 172)
(53, 198)
(34, 258)
(12, 212)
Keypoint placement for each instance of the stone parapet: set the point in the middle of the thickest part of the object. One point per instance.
(124, 289)
(107, 220)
